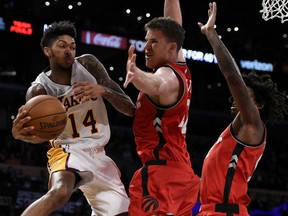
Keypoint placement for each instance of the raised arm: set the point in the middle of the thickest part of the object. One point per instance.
(249, 111)
(106, 87)
(172, 9)
(161, 85)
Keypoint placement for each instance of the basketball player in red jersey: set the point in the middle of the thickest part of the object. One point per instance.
(231, 161)
(166, 184)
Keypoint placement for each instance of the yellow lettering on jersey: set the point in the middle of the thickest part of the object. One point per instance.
(71, 102)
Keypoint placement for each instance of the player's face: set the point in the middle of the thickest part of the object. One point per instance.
(157, 51)
(63, 52)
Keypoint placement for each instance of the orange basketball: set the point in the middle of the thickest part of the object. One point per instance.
(48, 116)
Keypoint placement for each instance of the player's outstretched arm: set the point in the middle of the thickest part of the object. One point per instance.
(172, 9)
(230, 70)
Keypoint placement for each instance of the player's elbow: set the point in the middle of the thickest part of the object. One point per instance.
(130, 111)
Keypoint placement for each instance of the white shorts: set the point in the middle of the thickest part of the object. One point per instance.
(105, 192)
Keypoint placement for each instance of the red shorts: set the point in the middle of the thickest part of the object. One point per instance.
(211, 210)
(162, 189)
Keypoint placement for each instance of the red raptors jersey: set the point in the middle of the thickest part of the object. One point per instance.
(227, 169)
(160, 132)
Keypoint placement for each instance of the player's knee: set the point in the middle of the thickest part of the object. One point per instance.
(60, 194)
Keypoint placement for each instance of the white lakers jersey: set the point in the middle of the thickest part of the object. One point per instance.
(87, 123)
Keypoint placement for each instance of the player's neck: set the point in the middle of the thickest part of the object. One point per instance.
(63, 78)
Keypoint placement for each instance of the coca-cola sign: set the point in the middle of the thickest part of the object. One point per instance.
(105, 40)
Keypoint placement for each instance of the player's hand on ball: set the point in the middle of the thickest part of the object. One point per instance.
(19, 131)
(87, 90)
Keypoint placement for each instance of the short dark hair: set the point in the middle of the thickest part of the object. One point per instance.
(266, 93)
(170, 28)
(55, 30)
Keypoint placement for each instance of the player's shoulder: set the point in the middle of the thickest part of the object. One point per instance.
(89, 61)
(34, 90)
(36, 87)
(86, 58)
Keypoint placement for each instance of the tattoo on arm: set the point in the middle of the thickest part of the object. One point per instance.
(114, 94)
(35, 90)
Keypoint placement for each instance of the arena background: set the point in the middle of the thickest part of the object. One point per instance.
(256, 45)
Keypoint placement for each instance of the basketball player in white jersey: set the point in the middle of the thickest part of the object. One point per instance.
(77, 157)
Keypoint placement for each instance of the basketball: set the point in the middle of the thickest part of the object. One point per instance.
(48, 116)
